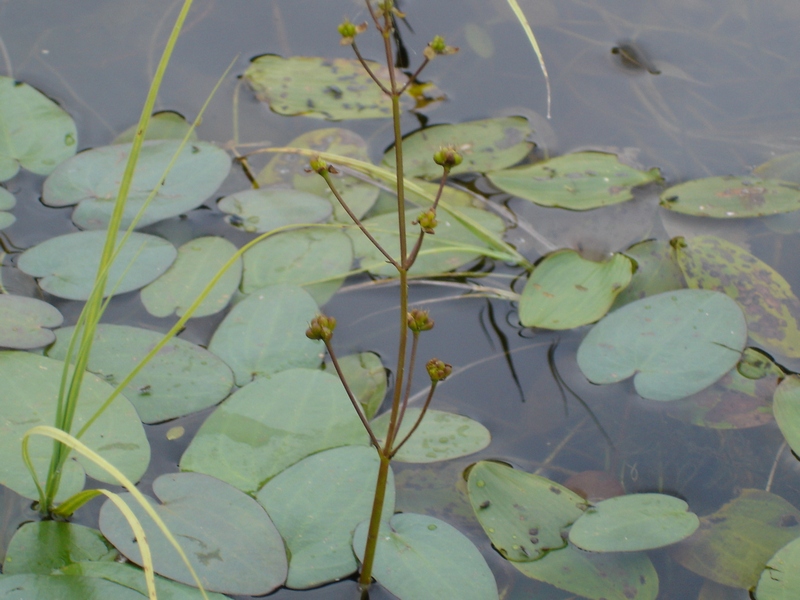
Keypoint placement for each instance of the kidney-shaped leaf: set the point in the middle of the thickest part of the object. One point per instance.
(674, 344)
(92, 179)
(633, 522)
(440, 436)
(181, 379)
(325, 88)
(578, 181)
(524, 515)
(780, 580)
(265, 209)
(316, 505)
(198, 261)
(565, 290)
(68, 264)
(34, 131)
(596, 576)
(230, 541)
(266, 333)
(485, 145)
(24, 322)
(770, 306)
(271, 424)
(30, 389)
(424, 558)
(731, 197)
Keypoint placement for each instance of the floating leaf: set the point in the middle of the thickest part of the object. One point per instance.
(673, 344)
(578, 181)
(68, 264)
(656, 271)
(29, 586)
(133, 577)
(23, 322)
(452, 246)
(485, 145)
(771, 308)
(30, 387)
(230, 541)
(272, 423)
(524, 515)
(265, 333)
(316, 505)
(300, 257)
(265, 209)
(786, 406)
(595, 576)
(780, 580)
(291, 170)
(736, 401)
(324, 88)
(198, 261)
(566, 291)
(44, 546)
(7, 202)
(732, 197)
(733, 545)
(366, 376)
(91, 180)
(164, 125)
(440, 436)
(35, 132)
(633, 522)
(181, 379)
(424, 558)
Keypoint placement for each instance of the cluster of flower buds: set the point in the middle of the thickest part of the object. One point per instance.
(318, 165)
(349, 31)
(427, 220)
(418, 320)
(438, 46)
(447, 157)
(438, 370)
(321, 328)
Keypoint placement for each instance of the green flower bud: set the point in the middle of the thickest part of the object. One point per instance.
(318, 165)
(438, 46)
(321, 328)
(347, 30)
(438, 370)
(418, 320)
(427, 221)
(447, 157)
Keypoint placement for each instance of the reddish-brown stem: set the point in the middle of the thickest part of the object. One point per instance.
(416, 424)
(412, 257)
(364, 64)
(413, 77)
(411, 362)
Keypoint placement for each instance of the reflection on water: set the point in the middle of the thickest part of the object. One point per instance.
(725, 100)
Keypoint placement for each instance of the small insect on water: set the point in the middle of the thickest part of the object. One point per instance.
(632, 57)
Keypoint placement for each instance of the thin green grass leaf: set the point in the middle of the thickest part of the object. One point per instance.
(532, 38)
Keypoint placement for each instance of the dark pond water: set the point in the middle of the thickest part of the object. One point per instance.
(724, 101)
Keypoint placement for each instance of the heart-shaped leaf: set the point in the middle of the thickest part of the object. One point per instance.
(265, 333)
(780, 580)
(68, 264)
(92, 179)
(197, 262)
(265, 209)
(45, 546)
(301, 257)
(656, 271)
(230, 541)
(316, 505)
(633, 522)
(566, 291)
(732, 197)
(35, 132)
(486, 145)
(440, 436)
(30, 388)
(424, 558)
(181, 379)
(272, 423)
(324, 88)
(23, 322)
(674, 344)
(578, 181)
(29, 585)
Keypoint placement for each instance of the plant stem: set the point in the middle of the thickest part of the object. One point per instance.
(418, 421)
(411, 362)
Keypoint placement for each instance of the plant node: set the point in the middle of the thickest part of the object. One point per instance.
(418, 320)
(447, 157)
(321, 328)
(438, 370)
